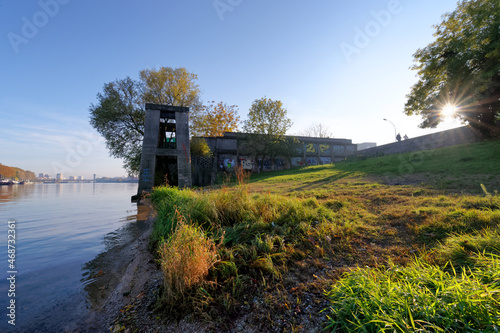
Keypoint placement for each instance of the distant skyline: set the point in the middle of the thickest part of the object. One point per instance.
(344, 65)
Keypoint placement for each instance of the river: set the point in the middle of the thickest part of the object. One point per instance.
(59, 230)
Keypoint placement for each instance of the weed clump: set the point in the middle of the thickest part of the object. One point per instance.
(186, 258)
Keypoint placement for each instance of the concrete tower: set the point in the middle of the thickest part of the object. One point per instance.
(165, 149)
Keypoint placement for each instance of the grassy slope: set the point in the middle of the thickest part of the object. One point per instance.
(287, 240)
(462, 167)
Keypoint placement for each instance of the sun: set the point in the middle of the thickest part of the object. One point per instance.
(448, 110)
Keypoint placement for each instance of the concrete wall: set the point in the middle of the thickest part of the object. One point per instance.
(456, 136)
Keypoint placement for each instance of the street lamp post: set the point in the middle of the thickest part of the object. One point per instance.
(395, 135)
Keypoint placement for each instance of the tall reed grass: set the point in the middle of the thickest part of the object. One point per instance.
(186, 258)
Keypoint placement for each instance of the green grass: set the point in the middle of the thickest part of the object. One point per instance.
(459, 168)
(420, 255)
(420, 297)
(478, 158)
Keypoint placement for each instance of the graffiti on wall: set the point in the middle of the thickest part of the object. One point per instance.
(247, 163)
(312, 161)
(312, 148)
(326, 160)
(229, 164)
(146, 175)
(297, 161)
(267, 164)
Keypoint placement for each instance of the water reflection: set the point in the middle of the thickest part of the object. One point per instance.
(60, 227)
(15, 193)
(107, 269)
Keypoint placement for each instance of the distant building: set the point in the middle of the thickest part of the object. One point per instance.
(59, 176)
(72, 178)
(366, 145)
(40, 175)
(80, 178)
(235, 149)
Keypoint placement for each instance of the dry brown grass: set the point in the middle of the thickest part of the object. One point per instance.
(242, 176)
(186, 258)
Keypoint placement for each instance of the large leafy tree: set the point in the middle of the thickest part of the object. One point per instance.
(119, 114)
(216, 119)
(268, 119)
(461, 68)
(119, 117)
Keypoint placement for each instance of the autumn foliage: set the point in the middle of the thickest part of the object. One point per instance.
(12, 172)
(216, 119)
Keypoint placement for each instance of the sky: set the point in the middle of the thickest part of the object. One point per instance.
(342, 64)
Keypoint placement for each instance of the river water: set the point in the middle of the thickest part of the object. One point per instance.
(59, 230)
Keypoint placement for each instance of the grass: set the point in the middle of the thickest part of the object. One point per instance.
(420, 297)
(186, 257)
(339, 247)
(456, 161)
(460, 168)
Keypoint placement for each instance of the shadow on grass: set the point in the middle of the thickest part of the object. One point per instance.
(326, 181)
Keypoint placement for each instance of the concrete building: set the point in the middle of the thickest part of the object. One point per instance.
(243, 149)
(166, 153)
(59, 176)
(165, 150)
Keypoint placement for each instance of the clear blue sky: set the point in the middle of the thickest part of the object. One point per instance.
(57, 55)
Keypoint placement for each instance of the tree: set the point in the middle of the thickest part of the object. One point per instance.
(267, 124)
(170, 86)
(317, 131)
(267, 117)
(119, 118)
(461, 68)
(119, 114)
(216, 119)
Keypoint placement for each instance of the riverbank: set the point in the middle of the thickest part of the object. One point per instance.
(292, 245)
(122, 276)
(123, 298)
